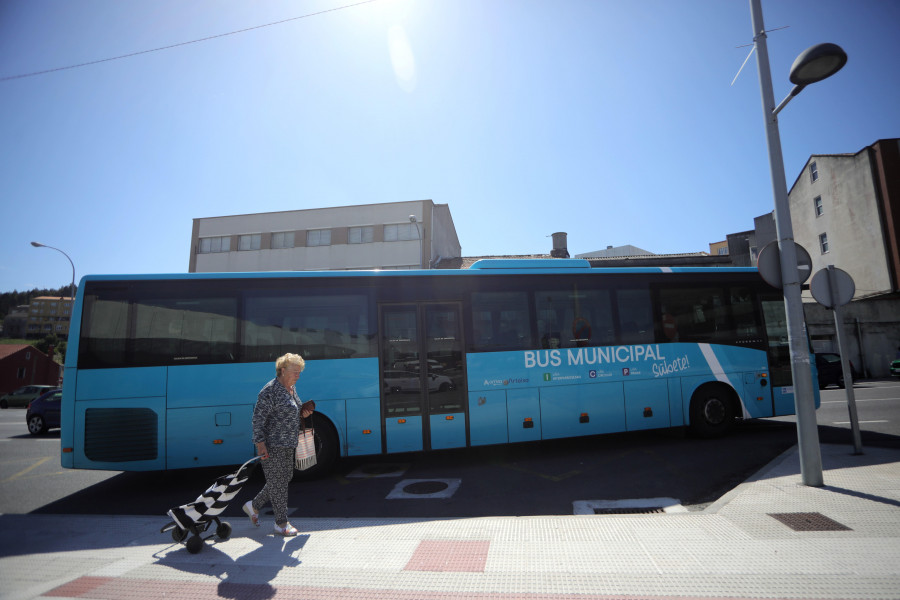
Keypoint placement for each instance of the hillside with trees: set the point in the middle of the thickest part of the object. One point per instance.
(10, 300)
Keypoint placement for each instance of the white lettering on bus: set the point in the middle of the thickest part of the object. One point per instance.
(667, 368)
(542, 358)
(592, 356)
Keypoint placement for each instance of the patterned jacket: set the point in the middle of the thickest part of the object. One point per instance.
(276, 416)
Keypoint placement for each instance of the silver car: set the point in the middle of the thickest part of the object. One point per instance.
(24, 395)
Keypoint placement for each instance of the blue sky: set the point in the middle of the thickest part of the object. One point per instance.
(613, 121)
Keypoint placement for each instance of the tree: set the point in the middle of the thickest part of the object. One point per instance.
(50, 345)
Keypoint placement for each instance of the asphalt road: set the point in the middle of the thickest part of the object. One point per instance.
(544, 478)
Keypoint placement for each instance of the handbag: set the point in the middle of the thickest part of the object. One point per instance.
(305, 455)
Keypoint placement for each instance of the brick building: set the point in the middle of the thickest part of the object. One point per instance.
(21, 364)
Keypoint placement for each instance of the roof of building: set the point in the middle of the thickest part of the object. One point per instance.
(838, 155)
(10, 349)
(698, 259)
(464, 262)
(609, 251)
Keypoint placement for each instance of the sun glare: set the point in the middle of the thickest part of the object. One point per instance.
(402, 59)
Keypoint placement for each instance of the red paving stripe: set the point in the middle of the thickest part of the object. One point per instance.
(107, 588)
(449, 555)
(79, 588)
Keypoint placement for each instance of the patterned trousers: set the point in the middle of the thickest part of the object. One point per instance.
(279, 470)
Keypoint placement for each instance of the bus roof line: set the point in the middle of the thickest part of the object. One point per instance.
(527, 266)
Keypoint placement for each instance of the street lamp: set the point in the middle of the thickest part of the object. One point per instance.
(412, 219)
(72, 287)
(814, 64)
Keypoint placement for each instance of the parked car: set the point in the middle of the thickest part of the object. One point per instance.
(408, 381)
(828, 364)
(895, 367)
(23, 395)
(43, 412)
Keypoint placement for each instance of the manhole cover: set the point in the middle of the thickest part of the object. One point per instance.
(625, 510)
(425, 487)
(809, 522)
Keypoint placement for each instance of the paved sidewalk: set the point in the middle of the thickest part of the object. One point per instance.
(736, 548)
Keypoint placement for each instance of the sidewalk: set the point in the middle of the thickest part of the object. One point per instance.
(733, 549)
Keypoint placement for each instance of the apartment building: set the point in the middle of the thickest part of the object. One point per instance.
(49, 314)
(397, 235)
(845, 211)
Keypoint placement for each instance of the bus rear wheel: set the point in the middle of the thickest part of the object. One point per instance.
(712, 412)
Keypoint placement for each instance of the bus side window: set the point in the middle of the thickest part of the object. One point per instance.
(574, 317)
(199, 330)
(104, 332)
(743, 311)
(500, 321)
(635, 317)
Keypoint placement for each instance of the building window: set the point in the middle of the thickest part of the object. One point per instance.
(361, 235)
(20, 372)
(249, 242)
(823, 243)
(318, 237)
(401, 233)
(215, 244)
(817, 204)
(284, 239)
(813, 172)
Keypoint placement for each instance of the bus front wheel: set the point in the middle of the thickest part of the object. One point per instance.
(712, 412)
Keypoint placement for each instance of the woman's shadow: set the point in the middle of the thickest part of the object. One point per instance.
(246, 577)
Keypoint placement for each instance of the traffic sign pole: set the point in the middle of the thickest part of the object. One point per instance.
(833, 288)
(845, 362)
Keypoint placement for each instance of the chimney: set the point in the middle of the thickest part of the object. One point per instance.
(559, 245)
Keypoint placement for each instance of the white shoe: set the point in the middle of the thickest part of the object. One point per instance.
(254, 516)
(287, 531)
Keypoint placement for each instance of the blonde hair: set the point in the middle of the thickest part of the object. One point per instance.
(288, 359)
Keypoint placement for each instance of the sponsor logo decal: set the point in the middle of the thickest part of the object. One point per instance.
(507, 381)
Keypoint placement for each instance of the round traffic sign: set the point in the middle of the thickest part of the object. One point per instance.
(832, 289)
(769, 264)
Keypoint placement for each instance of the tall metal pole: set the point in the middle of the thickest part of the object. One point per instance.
(72, 285)
(413, 219)
(804, 402)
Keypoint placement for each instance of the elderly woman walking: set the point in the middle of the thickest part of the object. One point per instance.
(276, 427)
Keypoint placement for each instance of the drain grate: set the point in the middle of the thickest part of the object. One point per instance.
(809, 522)
(424, 488)
(626, 510)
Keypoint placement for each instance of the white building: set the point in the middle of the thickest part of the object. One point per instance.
(396, 235)
(845, 211)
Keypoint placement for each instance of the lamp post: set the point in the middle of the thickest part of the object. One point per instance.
(814, 64)
(72, 286)
(412, 219)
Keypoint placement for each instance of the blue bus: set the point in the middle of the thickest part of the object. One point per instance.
(162, 371)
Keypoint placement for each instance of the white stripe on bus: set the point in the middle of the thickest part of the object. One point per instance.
(716, 367)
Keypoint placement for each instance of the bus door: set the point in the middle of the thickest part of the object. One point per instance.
(422, 377)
